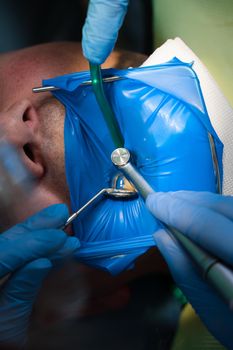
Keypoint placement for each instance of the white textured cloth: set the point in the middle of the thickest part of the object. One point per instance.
(219, 109)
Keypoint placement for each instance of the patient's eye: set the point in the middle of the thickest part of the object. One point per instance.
(28, 151)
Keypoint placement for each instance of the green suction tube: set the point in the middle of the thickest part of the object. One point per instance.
(104, 105)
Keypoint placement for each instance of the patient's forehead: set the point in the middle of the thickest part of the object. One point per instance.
(21, 70)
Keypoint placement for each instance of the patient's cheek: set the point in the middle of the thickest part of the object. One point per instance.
(52, 149)
(37, 200)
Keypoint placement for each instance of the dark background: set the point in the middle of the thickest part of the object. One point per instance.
(25, 23)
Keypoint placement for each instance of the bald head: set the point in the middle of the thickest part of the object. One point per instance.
(22, 70)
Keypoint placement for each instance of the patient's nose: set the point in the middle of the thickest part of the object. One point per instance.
(19, 125)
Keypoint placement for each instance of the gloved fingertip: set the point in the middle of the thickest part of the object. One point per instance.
(59, 210)
(25, 283)
(161, 238)
(153, 199)
(95, 60)
(72, 244)
(42, 264)
(52, 237)
(53, 216)
(92, 56)
(70, 248)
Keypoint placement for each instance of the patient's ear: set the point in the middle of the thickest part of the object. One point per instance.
(19, 125)
(32, 143)
(30, 117)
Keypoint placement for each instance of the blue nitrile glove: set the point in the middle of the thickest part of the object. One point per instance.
(206, 218)
(27, 251)
(104, 19)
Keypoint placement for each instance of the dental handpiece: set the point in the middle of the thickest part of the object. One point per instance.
(213, 271)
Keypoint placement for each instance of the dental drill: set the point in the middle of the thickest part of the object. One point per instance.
(213, 271)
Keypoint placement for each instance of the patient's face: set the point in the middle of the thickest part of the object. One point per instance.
(35, 122)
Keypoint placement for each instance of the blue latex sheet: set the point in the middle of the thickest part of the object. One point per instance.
(164, 122)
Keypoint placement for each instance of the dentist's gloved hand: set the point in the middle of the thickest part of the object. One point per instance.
(28, 251)
(207, 219)
(104, 19)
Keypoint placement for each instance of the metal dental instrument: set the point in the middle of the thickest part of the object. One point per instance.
(111, 79)
(213, 271)
(121, 189)
(79, 211)
(113, 192)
